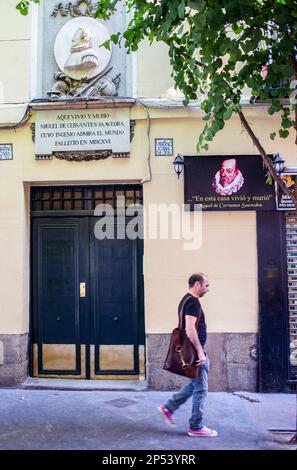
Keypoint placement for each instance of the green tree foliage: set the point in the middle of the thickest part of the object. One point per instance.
(24, 5)
(217, 48)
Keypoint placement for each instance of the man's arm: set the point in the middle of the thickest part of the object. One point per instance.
(193, 337)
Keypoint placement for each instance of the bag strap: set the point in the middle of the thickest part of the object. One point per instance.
(180, 315)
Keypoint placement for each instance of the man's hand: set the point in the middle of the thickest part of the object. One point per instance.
(201, 359)
(193, 336)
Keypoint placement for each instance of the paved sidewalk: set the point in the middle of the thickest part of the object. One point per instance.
(125, 420)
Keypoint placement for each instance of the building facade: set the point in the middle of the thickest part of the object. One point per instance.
(80, 128)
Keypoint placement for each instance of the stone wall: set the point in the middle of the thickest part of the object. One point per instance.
(233, 362)
(13, 359)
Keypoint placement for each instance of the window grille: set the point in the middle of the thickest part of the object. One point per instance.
(83, 198)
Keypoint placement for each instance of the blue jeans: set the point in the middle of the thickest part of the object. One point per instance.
(198, 388)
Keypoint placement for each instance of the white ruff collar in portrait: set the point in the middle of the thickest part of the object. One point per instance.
(233, 187)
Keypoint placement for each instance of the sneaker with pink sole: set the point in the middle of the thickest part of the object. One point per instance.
(167, 415)
(203, 432)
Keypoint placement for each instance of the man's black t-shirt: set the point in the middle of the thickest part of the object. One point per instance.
(193, 308)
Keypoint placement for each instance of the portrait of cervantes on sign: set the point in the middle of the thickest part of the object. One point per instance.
(228, 179)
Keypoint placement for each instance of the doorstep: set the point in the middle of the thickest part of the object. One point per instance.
(34, 383)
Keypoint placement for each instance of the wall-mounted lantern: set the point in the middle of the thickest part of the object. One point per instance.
(278, 163)
(178, 164)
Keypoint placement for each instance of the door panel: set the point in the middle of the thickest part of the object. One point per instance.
(58, 280)
(59, 265)
(98, 335)
(114, 304)
(273, 313)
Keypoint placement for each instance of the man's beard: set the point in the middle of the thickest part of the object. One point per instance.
(224, 181)
(230, 188)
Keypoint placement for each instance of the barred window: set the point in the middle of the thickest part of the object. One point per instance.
(81, 198)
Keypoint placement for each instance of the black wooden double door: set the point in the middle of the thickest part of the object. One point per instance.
(87, 301)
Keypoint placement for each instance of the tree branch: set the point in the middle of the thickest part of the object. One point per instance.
(266, 159)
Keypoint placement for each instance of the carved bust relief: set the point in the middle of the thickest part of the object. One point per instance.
(74, 62)
(82, 55)
(78, 49)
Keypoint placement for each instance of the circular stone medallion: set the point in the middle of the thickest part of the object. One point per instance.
(78, 50)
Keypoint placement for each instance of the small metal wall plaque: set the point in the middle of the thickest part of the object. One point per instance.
(164, 147)
(6, 152)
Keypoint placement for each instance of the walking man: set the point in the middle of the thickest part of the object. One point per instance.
(198, 388)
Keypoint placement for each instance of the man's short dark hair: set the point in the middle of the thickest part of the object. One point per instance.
(196, 278)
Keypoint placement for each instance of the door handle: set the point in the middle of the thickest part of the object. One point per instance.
(82, 289)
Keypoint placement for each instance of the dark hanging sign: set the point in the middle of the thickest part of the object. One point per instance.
(227, 183)
(283, 202)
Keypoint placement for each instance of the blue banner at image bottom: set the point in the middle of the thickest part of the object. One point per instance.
(141, 459)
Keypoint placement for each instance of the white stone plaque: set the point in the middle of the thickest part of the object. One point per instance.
(87, 130)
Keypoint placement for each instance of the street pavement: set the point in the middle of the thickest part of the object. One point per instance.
(86, 419)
